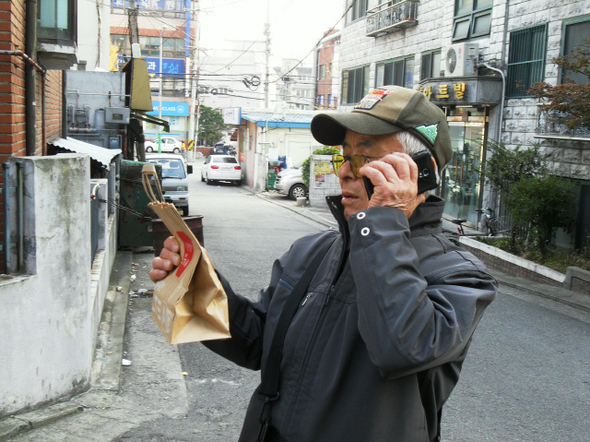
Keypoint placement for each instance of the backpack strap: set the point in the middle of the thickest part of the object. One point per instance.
(268, 391)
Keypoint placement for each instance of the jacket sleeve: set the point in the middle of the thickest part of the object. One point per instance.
(413, 314)
(247, 319)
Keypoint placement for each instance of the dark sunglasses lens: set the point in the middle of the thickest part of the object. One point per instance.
(356, 162)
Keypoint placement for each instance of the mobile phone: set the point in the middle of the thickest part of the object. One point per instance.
(368, 186)
(426, 174)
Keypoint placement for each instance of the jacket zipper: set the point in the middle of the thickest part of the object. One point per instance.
(307, 357)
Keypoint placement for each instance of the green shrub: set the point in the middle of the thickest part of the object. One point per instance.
(544, 201)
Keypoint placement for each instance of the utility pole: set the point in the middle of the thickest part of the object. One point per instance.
(194, 109)
(160, 95)
(133, 31)
(267, 34)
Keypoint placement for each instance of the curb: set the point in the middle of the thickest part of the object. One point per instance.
(577, 300)
(106, 368)
(22, 423)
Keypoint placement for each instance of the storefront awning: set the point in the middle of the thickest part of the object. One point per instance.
(102, 155)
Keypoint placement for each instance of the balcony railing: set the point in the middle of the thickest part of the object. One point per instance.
(391, 16)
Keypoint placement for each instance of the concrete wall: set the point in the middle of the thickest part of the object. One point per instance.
(322, 180)
(50, 314)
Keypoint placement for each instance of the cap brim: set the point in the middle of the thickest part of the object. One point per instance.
(330, 129)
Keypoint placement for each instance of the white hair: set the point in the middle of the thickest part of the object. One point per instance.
(411, 145)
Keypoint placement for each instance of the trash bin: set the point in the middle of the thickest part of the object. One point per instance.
(135, 227)
(271, 177)
(161, 232)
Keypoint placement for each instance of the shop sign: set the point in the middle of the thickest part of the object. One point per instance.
(170, 66)
(232, 115)
(456, 91)
(170, 109)
(453, 92)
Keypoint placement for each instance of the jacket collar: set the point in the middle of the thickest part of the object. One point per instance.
(427, 218)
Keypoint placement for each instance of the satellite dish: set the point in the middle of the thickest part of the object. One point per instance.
(451, 60)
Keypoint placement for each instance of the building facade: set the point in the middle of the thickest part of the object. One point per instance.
(476, 60)
(327, 71)
(165, 33)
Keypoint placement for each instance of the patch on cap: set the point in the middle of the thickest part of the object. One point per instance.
(430, 132)
(372, 99)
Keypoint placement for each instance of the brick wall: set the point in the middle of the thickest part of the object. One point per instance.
(54, 102)
(12, 96)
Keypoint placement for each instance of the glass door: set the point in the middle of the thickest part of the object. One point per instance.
(461, 183)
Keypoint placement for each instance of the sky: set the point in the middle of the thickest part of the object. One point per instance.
(295, 25)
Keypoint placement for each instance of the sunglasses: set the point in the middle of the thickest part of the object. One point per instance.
(355, 161)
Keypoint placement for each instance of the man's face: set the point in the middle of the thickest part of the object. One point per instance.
(354, 195)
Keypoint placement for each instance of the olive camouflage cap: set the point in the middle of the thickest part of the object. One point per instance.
(387, 110)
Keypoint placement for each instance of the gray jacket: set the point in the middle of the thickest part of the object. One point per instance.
(376, 347)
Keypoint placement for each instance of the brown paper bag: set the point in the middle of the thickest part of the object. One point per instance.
(189, 304)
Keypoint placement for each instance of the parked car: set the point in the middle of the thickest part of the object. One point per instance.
(174, 178)
(290, 182)
(169, 144)
(221, 168)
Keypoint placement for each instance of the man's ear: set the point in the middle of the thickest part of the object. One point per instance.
(438, 177)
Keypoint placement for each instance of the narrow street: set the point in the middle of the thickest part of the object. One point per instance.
(527, 376)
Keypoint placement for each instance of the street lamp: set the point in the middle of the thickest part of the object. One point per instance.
(160, 95)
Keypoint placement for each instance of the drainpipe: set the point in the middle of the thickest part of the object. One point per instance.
(501, 72)
(30, 46)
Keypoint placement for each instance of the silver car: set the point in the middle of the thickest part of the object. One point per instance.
(290, 182)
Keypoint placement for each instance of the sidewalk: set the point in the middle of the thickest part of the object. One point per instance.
(109, 409)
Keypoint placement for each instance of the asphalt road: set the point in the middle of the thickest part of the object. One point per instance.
(527, 377)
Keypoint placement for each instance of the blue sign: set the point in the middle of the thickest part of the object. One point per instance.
(170, 66)
(166, 5)
(170, 109)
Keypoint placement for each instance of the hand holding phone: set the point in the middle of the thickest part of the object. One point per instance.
(426, 174)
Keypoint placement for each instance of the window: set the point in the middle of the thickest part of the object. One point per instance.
(574, 36)
(56, 21)
(473, 18)
(322, 72)
(398, 72)
(526, 60)
(358, 10)
(430, 65)
(355, 84)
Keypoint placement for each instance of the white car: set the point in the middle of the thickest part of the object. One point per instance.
(290, 182)
(168, 144)
(174, 178)
(221, 168)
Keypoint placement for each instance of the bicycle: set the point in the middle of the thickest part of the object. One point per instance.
(490, 223)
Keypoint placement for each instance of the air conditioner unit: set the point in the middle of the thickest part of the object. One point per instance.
(461, 60)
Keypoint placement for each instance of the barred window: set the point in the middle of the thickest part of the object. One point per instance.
(526, 60)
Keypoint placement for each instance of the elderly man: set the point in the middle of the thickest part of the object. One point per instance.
(376, 345)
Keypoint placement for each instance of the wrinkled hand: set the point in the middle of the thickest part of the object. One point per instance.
(395, 177)
(169, 259)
